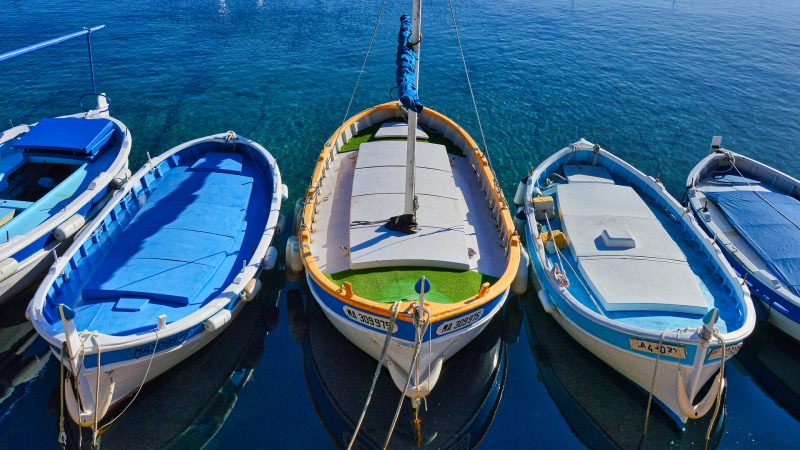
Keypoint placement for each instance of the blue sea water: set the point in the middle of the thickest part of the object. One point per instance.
(651, 80)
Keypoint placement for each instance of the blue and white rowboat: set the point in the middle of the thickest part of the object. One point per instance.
(753, 212)
(626, 270)
(54, 174)
(164, 267)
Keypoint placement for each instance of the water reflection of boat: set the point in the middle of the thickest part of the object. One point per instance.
(602, 408)
(772, 358)
(459, 411)
(204, 388)
(22, 356)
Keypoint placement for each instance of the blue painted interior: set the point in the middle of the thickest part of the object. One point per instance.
(29, 215)
(171, 245)
(715, 290)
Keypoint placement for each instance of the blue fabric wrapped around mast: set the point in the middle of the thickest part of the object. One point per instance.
(769, 222)
(407, 67)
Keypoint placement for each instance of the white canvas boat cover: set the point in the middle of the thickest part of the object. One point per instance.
(394, 130)
(645, 270)
(581, 173)
(379, 193)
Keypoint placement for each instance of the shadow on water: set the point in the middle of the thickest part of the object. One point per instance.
(772, 359)
(186, 406)
(338, 375)
(22, 353)
(604, 409)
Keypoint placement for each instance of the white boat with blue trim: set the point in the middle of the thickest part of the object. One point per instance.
(753, 212)
(165, 266)
(400, 192)
(626, 271)
(54, 175)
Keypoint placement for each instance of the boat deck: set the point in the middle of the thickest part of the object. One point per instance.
(468, 243)
(178, 245)
(710, 288)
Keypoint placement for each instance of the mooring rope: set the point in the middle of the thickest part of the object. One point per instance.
(721, 386)
(364, 64)
(395, 308)
(144, 379)
(421, 324)
(62, 435)
(652, 388)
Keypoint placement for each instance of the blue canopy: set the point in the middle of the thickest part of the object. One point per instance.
(68, 135)
(770, 222)
(407, 68)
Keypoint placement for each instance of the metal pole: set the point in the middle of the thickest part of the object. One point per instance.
(416, 19)
(91, 63)
(48, 43)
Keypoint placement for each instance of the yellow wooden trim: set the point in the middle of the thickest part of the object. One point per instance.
(438, 311)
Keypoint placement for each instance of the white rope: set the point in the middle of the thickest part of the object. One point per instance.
(719, 392)
(392, 320)
(62, 435)
(144, 378)
(364, 64)
(421, 324)
(652, 387)
(469, 81)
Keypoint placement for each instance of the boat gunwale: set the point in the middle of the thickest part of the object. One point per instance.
(111, 342)
(15, 244)
(438, 311)
(689, 336)
(697, 176)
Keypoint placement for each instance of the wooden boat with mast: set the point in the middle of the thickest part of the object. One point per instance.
(407, 241)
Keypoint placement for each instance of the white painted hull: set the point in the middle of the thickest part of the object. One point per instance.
(433, 353)
(119, 381)
(29, 272)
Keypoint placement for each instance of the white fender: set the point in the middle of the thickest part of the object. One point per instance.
(69, 227)
(280, 225)
(294, 263)
(298, 215)
(269, 261)
(284, 192)
(544, 298)
(251, 289)
(81, 416)
(519, 196)
(702, 408)
(217, 321)
(520, 283)
(8, 267)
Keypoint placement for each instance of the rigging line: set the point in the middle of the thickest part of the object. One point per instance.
(758, 194)
(364, 64)
(469, 81)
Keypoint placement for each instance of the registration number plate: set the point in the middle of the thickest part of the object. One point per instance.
(459, 323)
(370, 320)
(729, 351)
(671, 350)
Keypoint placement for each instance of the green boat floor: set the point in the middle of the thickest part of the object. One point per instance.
(368, 135)
(397, 283)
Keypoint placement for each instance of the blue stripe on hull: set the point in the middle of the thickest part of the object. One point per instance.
(613, 337)
(405, 330)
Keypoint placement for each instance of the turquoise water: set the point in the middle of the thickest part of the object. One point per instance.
(649, 80)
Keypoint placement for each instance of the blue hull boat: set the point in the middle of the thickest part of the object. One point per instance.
(167, 264)
(54, 175)
(753, 212)
(628, 273)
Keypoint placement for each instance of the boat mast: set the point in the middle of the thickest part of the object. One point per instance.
(410, 200)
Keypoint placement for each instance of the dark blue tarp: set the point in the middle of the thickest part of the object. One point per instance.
(70, 135)
(769, 222)
(407, 68)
